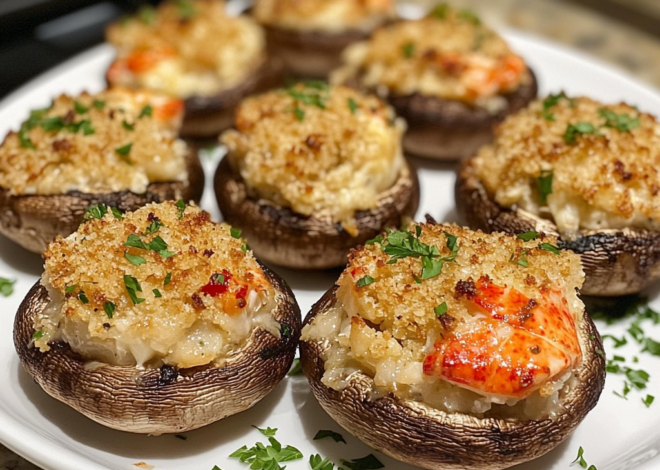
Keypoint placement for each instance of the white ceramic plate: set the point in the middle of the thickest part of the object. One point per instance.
(618, 434)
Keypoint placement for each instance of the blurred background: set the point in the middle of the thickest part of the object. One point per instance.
(35, 35)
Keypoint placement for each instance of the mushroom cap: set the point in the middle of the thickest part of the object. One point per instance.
(33, 221)
(208, 116)
(164, 400)
(284, 237)
(309, 53)
(445, 129)
(615, 261)
(418, 434)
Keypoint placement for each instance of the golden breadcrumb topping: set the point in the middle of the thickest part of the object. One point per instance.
(599, 164)
(458, 319)
(450, 54)
(317, 149)
(185, 48)
(333, 16)
(163, 284)
(112, 141)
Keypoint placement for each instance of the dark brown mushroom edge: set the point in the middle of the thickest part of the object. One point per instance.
(448, 75)
(313, 171)
(309, 37)
(117, 148)
(197, 52)
(604, 207)
(443, 360)
(178, 327)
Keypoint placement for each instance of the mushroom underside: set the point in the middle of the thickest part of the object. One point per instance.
(33, 221)
(164, 400)
(281, 236)
(615, 261)
(421, 435)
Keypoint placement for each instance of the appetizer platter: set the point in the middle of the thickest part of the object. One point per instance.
(620, 432)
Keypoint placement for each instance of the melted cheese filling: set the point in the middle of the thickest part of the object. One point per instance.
(186, 49)
(318, 150)
(113, 141)
(604, 178)
(188, 306)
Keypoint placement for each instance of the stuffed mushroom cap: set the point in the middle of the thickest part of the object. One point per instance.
(156, 321)
(117, 147)
(449, 75)
(453, 349)
(321, 168)
(195, 51)
(583, 170)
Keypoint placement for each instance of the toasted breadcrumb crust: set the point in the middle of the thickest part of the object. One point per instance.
(185, 48)
(188, 317)
(317, 149)
(451, 56)
(115, 140)
(387, 328)
(333, 16)
(606, 178)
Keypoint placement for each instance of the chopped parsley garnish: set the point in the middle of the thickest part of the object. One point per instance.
(235, 232)
(83, 297)
(544, 184)
(123, 151)
(296, 368)
(80, 108)
(469, 16)
(408, 50)
(441, 309)
(70, 289)
(109, 308)
(440, 12)
(245, 248)
(127, 126)
(352, 105)
(648, 400)
(549, 247)
(522, 258)
(157, 244)
(6, 286)
(39, 117)
(168, 279)
(316, 462)
(313, 93)
(550, 102)
(147, 14)
(98, 104)
(621, 122)
(581, 462)
(156, 293)
(182, 208)
(268, 432)
(153, 227)
(146, 111)
(572, 131)
(323, 433)
(37, 335)
(370, 462)
(133, 287)
(134, 259)
(186, 9)
(402, 244)
(652, 346)
(116, 213)
(267, 457)
(365, 281)
(374, 240)
(528, 236)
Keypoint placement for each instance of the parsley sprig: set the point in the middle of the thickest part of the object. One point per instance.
(581, 462)
(404, 244)
(261, 456)
(6, 286)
